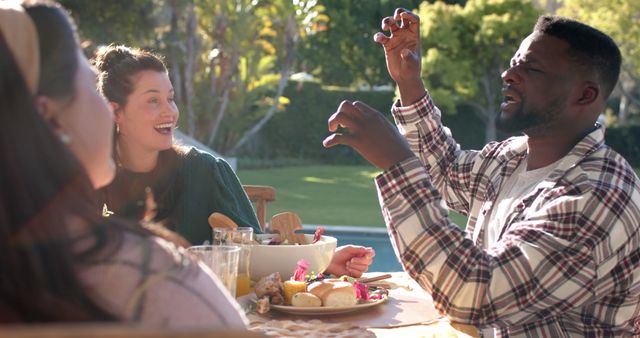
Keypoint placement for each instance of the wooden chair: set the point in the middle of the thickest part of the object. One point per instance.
(104, 330)
(260, 195)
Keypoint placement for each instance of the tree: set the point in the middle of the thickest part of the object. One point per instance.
(621, 20)
(248, 53)
(293, 21)
(343, 52)
(467, 48)
(131, 22)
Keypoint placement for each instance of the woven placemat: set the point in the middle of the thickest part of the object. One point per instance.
(305, 328)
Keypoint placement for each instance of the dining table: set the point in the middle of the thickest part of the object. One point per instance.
(407, 311)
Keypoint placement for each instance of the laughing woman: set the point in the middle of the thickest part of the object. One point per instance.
(188, 185)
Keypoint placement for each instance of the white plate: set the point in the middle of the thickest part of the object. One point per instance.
(322, 310)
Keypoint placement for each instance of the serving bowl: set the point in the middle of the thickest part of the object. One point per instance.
(267, 259)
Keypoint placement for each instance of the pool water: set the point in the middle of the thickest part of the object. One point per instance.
(376, 238)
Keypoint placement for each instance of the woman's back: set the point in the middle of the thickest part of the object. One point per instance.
(60, 260)
(151, 281)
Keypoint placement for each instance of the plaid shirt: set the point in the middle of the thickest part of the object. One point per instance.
(567, 260)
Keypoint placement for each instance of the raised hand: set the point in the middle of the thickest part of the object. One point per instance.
(369, 133)
(402, 53)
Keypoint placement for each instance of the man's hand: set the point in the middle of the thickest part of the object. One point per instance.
(369, 133)
(402, 53)
(351, 260)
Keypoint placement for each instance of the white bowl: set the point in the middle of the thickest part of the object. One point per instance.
(267, 259)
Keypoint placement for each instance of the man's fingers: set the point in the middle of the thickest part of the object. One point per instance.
(363, 107)
(410, 21)
(381, 38)
(336, 139)
(388, 24)
(398, 12)
(343, 117)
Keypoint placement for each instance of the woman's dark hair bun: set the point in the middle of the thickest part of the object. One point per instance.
(117, 65)
(108, 57)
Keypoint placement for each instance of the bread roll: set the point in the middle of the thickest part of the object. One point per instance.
(334, 292)
(291, 287)
(305, 299)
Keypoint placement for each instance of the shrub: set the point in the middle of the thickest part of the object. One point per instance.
(626, 141)
(298, 131)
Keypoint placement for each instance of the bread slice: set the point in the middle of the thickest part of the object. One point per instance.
(305, 299)
(334, 292)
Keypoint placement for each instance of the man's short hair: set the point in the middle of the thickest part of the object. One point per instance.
(587, 46)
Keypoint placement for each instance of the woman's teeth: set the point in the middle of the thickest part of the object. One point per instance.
(164, 128)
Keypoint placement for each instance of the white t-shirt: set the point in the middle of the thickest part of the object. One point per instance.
(514, 189)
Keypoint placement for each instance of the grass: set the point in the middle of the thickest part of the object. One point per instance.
(325, 195)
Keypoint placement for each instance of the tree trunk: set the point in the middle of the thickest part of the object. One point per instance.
(290, 42)
(227, 81)
(174, 50)
(284, 76)
(489, 111)
(489, 132)
(189, 68)
(627, 87)
(224, 102)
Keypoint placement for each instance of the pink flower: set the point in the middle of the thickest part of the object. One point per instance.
(318, 234)
(301, 270)
(376, 296)
(362, 291)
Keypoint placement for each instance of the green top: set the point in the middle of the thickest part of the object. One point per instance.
(210, 185)
(187, 188)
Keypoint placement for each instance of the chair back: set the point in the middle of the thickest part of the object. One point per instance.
(260, 195)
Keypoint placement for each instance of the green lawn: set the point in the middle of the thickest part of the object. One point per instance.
(325, 195)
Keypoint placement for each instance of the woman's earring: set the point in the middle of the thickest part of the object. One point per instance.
(117, 129)
(65, 138)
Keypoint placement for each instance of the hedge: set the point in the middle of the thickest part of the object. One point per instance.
(298, 131)
(296, 134)
(626, 141)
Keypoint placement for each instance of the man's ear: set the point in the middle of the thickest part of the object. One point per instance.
(589, 93)
(48, 109)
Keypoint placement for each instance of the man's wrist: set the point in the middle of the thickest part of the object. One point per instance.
(411, 91)
(401, 157)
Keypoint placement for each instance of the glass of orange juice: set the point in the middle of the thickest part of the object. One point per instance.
(243, 237)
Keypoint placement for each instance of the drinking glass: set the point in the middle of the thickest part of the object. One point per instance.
(223, 261)
(242, 236)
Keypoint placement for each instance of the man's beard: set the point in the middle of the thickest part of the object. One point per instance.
(532, 121)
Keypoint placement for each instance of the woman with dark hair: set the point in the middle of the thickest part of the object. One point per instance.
(60, 260)
(188, 184)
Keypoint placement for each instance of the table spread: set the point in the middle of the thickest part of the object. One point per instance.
(409, 312)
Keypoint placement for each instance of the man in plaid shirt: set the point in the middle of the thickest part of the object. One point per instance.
(551, 247)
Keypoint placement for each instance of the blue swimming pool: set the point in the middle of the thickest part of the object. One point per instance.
(376, 238)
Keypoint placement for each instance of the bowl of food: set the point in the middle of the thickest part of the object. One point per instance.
(270, 255)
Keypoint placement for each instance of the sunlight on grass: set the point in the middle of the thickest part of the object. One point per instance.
(325, 195)
(319, 180)
(296, 196)
(369, 174)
